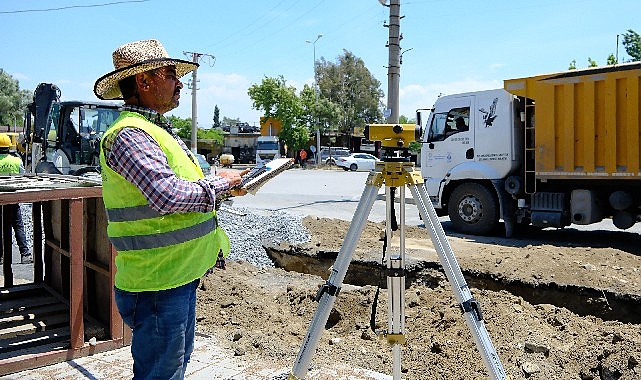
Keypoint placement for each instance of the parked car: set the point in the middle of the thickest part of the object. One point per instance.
(330, 159)
(357, 161)
(204, 165)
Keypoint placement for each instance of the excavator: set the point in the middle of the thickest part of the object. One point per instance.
(63, 137)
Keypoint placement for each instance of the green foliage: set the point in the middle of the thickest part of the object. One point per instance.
(278, 101)
(415, 146)
(612, 60)
(402, 119)
(183, 130)
(295, 137)
(229, 121)
(349, 85)
(211, 134)
(13, 101)
(182, 126)
(216, 123)
(632, 44)
(317, 112)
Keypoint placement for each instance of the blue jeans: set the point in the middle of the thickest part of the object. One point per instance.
(163, 324)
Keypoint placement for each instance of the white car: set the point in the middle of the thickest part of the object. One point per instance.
(357, 161)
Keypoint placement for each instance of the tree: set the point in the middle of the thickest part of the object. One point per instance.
(296, 138)
(572, 65)
(612, 60)
(592, 63)
(276, 100)
(632, 44)
(216, 123)
(316, 111)
(13, 101)
(183, 126)
(350, 85)
(229, 121)
(211, 134)
(279, 101)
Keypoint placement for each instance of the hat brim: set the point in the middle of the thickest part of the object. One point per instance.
(106, 87)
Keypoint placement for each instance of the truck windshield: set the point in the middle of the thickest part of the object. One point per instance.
(267, 145)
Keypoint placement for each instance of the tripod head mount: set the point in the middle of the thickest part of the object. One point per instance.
(395, 139)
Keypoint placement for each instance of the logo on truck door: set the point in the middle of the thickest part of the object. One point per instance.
(489, 116)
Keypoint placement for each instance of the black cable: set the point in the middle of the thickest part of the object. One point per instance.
(74, 6)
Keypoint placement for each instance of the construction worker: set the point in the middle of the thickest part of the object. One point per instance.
(160, 209)
(10, 164)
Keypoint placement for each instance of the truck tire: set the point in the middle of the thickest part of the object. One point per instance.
(473, 209)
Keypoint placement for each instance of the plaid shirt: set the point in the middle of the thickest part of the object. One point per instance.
(137, 157)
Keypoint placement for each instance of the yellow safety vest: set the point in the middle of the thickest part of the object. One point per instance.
(9, 164)
(157, 251)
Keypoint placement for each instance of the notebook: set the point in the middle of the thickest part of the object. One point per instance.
(263, 172)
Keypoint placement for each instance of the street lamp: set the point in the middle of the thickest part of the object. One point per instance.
(316, 92)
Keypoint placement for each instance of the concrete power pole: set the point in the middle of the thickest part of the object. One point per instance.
(394, 65)
(194, 107)
(195, 57)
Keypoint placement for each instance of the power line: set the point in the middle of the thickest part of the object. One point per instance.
(73, 6)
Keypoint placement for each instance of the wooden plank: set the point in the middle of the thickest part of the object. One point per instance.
(19, 291)
(49, 322)
(76, 283)
(20, 305)
(41, 341)
(31, 314)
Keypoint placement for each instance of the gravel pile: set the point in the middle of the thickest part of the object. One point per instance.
(248, 232)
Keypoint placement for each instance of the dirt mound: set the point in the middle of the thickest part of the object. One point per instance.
(264, 314)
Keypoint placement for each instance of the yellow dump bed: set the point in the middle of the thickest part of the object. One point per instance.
(585, 124)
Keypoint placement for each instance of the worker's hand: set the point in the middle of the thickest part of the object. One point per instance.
(237, 192)
(232, 176)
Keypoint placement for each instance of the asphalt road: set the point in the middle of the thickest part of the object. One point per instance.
(336, 193)
(324, 193)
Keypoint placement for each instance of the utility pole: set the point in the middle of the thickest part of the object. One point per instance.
(318, 137)
(195, 57)
(394, 65)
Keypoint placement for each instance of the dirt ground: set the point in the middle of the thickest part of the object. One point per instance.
(557, 305)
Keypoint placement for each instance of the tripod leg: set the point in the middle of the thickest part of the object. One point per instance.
(329, 291)
(471, 309)
(396, 283)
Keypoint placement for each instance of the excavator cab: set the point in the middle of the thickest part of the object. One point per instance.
(65, 137)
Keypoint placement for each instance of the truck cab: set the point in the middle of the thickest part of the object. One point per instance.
(267, 148)
(470, 145)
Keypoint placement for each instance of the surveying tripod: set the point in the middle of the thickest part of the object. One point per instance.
(397, 174)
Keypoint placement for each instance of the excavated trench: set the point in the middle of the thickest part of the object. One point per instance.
(583, 301)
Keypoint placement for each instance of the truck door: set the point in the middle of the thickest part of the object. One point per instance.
(448, 140)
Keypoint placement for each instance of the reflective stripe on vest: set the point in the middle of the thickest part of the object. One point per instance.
(157, 251)
(165, 239)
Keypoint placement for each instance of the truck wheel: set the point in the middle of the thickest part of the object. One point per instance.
(473, 210)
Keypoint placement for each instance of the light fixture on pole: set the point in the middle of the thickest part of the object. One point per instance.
(316, 92)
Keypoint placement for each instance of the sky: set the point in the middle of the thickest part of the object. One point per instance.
(448, 46)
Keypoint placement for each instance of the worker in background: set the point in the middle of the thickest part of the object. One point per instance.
(303, 157)
(160, 209)
(10, 164)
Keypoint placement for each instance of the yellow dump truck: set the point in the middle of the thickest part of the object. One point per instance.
(549, 150)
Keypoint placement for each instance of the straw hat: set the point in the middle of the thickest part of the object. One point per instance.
(134, 58)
